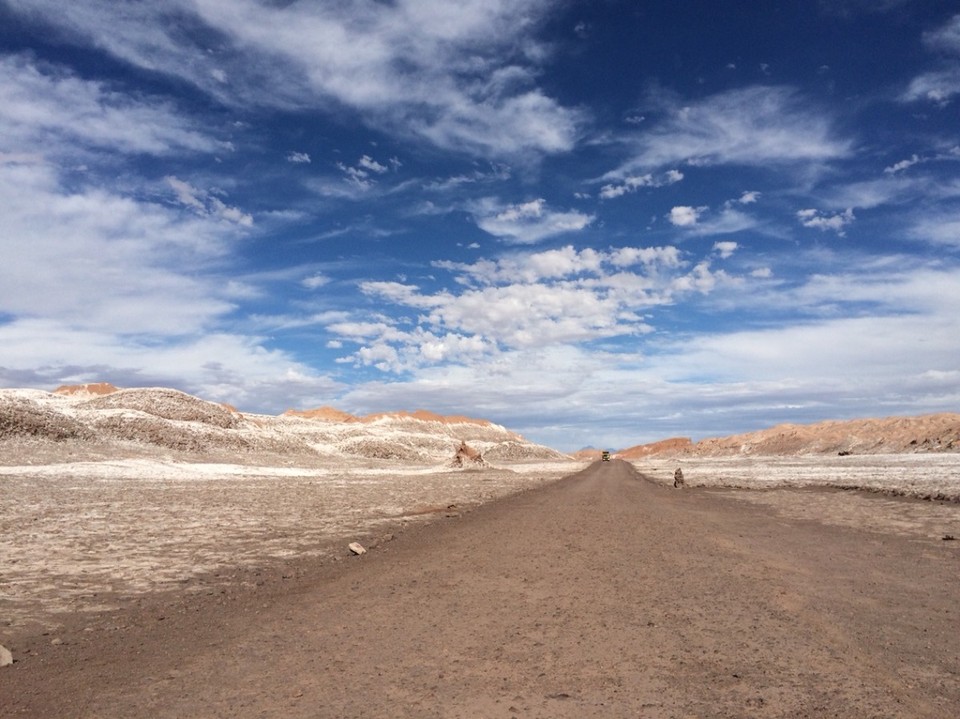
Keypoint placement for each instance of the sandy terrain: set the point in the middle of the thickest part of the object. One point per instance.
(86, 536)
(601, 595)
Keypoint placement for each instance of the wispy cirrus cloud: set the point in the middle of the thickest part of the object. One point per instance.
(941, 85)
(753, 126)
(47, 107)
(939, 227)
(462, 76)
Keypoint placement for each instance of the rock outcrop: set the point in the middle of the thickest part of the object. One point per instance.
(103, 420)
(466, 457)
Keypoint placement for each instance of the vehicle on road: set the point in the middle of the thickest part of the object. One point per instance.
(605, 456)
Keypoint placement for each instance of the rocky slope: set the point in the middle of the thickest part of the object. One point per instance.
(101, 421)
(889, 435)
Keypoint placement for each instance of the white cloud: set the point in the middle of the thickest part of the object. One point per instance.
(749, 197)
(527, 222)
(215, 366)
(685, 216)
(298, 158)
(725, 249)
(902, 165)
(754, 126)
(708, 385)
(940, 228)
(946, 38)
(525, 300)
(727, 221)
(895, 354)
(823, 222)
(98, 286)
(372, 165)
(668, 257)
(461, 75)
(105, 261)
(316, 281)
(634, 182)
(938, 87)
(56, 112)
(205, 203)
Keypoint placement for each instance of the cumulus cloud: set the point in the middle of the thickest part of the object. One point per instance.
(684, 215)
(460, 75)
(526, 222)
(525, 300)
(725, 249)
(360, 176)
(715, 383)
(824, 222)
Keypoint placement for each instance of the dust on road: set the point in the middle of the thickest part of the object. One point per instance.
(603, 595)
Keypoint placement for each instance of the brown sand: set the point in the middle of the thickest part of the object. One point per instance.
(603, 595)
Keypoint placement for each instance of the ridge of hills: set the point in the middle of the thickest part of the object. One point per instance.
(887, 435)
(99, 420)
(102, 420)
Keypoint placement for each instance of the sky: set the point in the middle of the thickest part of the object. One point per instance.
(596, 223)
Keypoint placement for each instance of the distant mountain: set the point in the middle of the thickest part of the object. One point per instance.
(889, 435)
(101, 420)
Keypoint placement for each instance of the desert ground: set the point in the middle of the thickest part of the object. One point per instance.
(161, 556)
(605, 594)
(85, 537)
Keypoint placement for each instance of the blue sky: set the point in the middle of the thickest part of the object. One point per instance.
(596, 223)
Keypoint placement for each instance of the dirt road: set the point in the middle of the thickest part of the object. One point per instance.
(603, 595)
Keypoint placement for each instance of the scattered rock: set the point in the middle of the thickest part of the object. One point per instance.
(948, 538)
(356, 548)
(678, 480)
(467, 456)
(6, 658)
